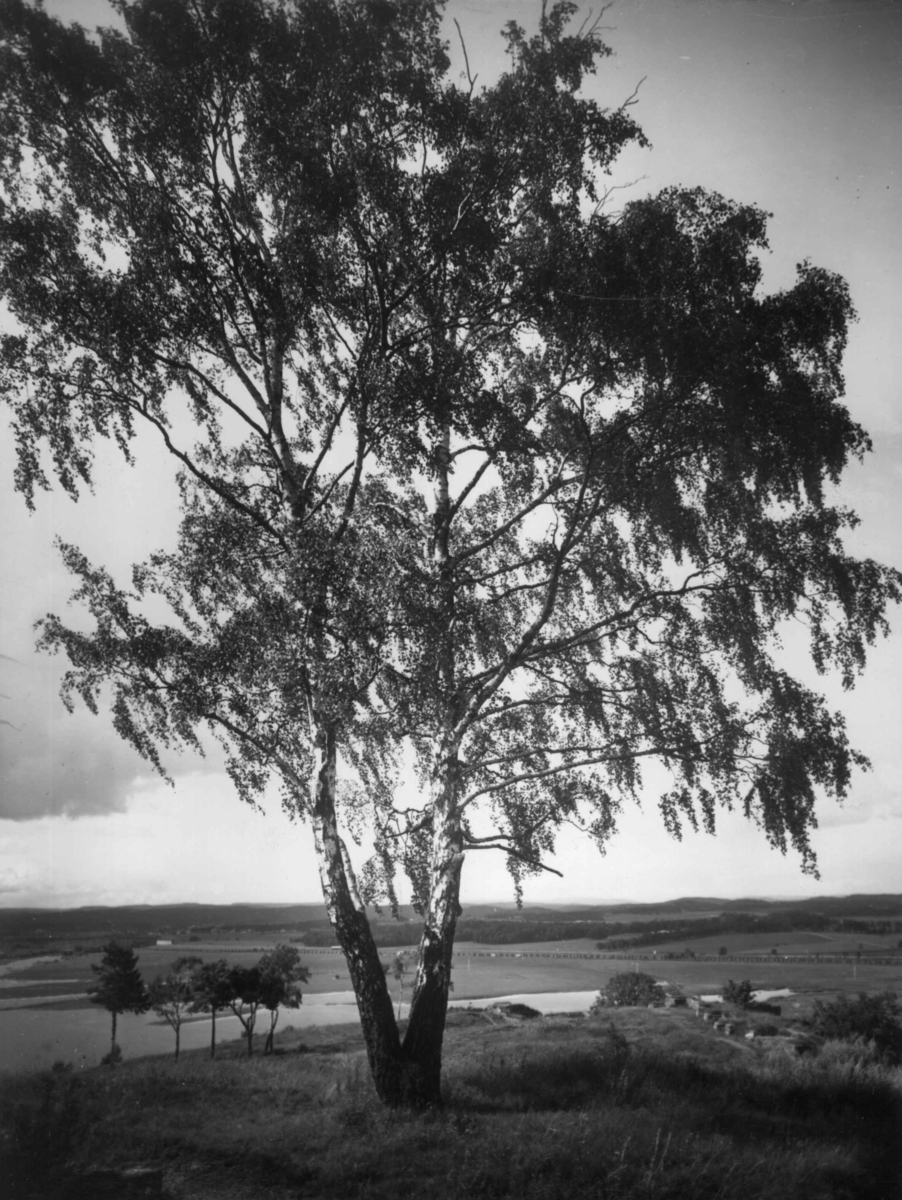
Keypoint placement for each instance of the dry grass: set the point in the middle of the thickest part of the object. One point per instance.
(635, 1106)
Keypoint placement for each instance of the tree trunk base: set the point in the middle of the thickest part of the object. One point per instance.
(406, 1085)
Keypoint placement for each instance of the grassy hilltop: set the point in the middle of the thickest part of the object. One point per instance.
(629, 1105)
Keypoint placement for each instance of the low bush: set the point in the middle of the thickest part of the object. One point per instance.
(871, 1019)
(44, 1119)
(739, 994)
(629, 989)
(765, 1029)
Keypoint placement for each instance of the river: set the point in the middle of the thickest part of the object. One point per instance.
(38, 1037)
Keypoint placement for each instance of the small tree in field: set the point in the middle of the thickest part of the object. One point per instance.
(631, 989)
(739, 994)
(281, 976)
(397, 968)
(212, 992)
(171, 996)
(247, 998)
(119, 986)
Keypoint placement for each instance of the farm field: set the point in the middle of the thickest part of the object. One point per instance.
(45, 1014)
(501, 975)
(792, 942)
(73, 975)
(482, 971)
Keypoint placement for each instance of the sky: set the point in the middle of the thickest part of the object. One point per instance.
(794, 105)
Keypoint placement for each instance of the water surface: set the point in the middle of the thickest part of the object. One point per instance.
(38, 1037)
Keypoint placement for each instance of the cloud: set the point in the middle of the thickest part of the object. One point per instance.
(53, 763)
(193, 842)
(875, 798)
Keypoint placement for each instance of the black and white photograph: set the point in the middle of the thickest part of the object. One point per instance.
(450, 580)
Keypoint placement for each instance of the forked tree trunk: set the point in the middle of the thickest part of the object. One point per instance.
(407, 1075)
(271, 1036)
(429, 1001)
(348, 916)
(432, 984)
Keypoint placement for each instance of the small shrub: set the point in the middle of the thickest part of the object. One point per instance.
(43, 1123)
(629, 989)
(852, 1056)
(766, 1029)
(739, 994)
(615, 1045)
(874, 1019)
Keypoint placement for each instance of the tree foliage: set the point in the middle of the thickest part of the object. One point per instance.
(873, 1018)
(118, 984)
(739, 994)
(281, 976)
(171, 996)
(246, 999)
(211, 989)
(474, 469)
(631, 989)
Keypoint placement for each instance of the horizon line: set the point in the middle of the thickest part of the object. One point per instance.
(619, 901)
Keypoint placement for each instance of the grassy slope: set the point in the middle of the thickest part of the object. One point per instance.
(637, 1104)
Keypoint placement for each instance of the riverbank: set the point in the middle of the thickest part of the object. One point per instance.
(72, 1030)
(79, 1036)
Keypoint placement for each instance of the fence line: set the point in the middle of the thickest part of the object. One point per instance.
(849, 958)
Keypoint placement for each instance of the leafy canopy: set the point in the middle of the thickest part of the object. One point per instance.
(211, 987)
(739, 993)
(118, 984)
(170, 996)
(631, 989)
(873, 1018)
(470, 462)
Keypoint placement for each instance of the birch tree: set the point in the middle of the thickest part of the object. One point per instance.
(473, 467)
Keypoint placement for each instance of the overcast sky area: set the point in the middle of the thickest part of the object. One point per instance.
(794, 106)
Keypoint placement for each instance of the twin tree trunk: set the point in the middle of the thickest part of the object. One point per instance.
(408, 1073)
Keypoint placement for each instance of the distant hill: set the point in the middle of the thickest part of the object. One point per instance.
(153, 919)
(42, 926)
